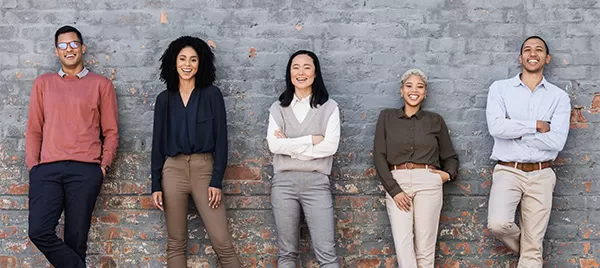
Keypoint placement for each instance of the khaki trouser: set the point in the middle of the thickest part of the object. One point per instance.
(415, 231)
(533, 190)
(186, 175)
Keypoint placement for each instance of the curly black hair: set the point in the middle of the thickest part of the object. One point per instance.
(168, 67)
(319, 91)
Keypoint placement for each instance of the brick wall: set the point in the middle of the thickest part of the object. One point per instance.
(364, 46)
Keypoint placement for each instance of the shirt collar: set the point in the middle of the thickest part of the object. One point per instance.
(418, 115)
(80, 75)
(516, 81)
(303, 100)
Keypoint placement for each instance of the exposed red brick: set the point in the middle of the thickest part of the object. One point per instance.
(108, 247)
(451, 264)
(265, 234)
(486, 184)
(586, 248)
(269, 249)
(444, 248)
(146, 202)
(252, 52)
(239, 172)
(8, 232)
(198, 263)
(595, 103)
(252, 262)
(8, 262)
(577, 118)
(446, 218)
(588, 263)
(367, 263)
(370, 172)
(133, 188)
(194, 249)
(107, 262)
(19, 189)
(143, 235)
(249, 248)
(588, 186)
(465, 187)
(111, 217)
(119, 233)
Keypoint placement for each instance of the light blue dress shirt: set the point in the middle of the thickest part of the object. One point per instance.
(512, 111)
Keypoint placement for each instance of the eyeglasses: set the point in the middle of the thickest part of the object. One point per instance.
(63, 45)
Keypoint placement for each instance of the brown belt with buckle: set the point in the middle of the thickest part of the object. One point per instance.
(409, 165)
(527, 167)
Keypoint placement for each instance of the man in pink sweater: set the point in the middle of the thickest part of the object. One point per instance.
(71, 141)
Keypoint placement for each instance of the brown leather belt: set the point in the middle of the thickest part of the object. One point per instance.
(527, 167)
(409, 165)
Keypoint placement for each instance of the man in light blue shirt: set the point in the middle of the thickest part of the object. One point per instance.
(529, 120)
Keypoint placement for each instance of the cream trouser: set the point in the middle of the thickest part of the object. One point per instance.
(415, 231)
(533, 190)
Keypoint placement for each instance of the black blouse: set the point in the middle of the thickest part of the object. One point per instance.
(199, 127)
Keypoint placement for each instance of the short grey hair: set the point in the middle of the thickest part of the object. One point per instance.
(416, 72)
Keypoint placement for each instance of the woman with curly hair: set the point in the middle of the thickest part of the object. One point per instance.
(189, 149)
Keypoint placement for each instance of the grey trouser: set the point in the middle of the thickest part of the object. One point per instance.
(310, 192)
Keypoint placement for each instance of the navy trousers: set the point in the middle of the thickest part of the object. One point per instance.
(68, 186)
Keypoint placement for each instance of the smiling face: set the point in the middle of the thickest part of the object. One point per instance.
(187, 63)
(70, 58)
(534, 56)
(302, 72)
(413, 91)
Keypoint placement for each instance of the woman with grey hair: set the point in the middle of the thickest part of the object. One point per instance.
(413, 157)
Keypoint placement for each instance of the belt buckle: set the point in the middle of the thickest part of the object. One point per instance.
(409, 165)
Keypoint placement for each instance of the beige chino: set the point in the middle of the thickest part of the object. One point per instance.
(533, 190)
(186, 175)
(415, 231)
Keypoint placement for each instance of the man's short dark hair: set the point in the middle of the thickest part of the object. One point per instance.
(67, 29)
(535, 37)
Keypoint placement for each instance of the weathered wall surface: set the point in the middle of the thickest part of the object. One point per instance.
(364, 46)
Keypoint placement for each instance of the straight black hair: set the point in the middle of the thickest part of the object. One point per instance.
(168, 66)
(67, 29)
(319, 91)
(535, 37)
